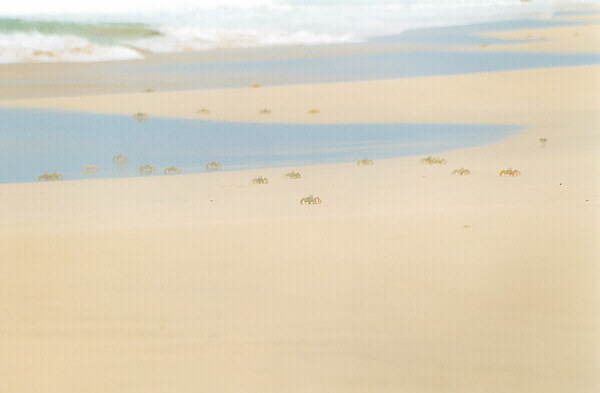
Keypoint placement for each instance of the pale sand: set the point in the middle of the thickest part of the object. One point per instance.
(396, 283)
(571, 39)
(509, 97)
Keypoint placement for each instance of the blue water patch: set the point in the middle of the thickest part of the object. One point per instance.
(355, 68)
(34, 142)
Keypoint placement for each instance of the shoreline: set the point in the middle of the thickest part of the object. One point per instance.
(27, 80)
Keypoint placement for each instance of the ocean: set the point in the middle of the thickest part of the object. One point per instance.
(67, 30)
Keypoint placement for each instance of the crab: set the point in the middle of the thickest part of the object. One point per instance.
(89, 169)
(147, 169)
(255, 86)
(461, 171)
(120, 160)
(364, 162)
(202, 111)
(265, 111)
(292, 175)
(172, 171)
(310, 200)
(149, 91)
(260, 180)
(510, 172)
(313, 111)
(140, 117)
(543, 141)
(50, 176)
(433, 160)
(214, 166)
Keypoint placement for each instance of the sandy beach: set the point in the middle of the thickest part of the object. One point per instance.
(405, 279)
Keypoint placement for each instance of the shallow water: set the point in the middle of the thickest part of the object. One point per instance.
(36, 142)
(419, 63)
(376, 66)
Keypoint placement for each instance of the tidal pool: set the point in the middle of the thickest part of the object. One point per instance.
(34, 142)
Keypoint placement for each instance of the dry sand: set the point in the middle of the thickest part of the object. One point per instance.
(405, 279)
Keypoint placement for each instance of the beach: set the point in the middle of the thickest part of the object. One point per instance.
(405, 278)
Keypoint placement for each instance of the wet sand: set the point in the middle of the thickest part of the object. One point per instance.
(580, 39)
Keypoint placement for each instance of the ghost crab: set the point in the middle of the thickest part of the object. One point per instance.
(510, 172)
(313, 111)
(310, 200)
(214, 166)
(140, 117)
(265, 111)
(260, 180)
(147, 169)
(89, 169)
(461, 171)
(543, 141)
(203, 111)
(433, 161)
(50, 177)
(364, 162)
(120, 160)
(172, 171)
(292, 175)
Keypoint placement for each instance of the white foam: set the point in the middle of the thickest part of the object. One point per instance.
(196, 39)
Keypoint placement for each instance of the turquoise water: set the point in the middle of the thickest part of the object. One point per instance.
(35, 142)
(108, 33)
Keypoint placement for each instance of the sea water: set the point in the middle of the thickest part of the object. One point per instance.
(34, 142)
